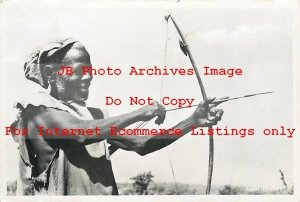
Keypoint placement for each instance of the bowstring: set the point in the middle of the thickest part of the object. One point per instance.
(144, 123)
(160, 100)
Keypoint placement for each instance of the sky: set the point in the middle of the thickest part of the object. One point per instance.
(257, 40)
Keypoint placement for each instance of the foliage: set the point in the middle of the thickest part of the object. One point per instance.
(229, 190)
(141, 182)
(11, 188)
(182, 189)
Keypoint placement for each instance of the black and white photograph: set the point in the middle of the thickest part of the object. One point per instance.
(152, 100)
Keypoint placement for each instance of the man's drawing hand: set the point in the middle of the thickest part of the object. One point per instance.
(150, 111)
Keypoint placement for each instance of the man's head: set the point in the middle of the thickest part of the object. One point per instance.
(76, 86)
(63, 87)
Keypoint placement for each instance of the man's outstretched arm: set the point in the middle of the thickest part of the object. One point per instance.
(50, 118)
(53, 118)
(202, 117)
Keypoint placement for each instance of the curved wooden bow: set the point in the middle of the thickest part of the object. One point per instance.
(186, 50)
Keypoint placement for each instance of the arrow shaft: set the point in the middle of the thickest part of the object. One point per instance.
(223, 100)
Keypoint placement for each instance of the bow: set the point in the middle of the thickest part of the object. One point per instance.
(186, 50)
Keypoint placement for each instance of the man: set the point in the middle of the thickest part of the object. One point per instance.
(79, 164)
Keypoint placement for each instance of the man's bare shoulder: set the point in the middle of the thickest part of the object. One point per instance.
(49, 117)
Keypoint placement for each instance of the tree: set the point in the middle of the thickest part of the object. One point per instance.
(141, 182)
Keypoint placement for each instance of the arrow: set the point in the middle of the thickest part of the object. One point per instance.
(224, 100)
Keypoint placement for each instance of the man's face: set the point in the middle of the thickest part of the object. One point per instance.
(76, 86)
